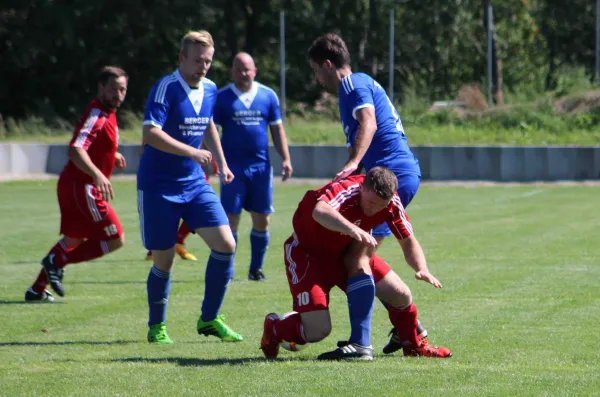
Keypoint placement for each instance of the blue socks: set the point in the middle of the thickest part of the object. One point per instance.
(259, 242)
(158, 287)
(361, 299)
(219, 270)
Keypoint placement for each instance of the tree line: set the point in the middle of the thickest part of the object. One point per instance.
(51, 50)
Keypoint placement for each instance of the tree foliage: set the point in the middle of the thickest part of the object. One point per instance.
(51, 50)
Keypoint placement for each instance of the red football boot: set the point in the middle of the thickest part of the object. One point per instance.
(269, 344)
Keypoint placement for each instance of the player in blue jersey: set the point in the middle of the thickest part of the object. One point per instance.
(171, 186)
(375, 137)
(245, 109)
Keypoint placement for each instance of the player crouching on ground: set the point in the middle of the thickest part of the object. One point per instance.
(89, 225)
(326, 224)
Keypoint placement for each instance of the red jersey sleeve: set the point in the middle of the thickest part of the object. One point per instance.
(336, 193)
(87, 129)
(399, 222)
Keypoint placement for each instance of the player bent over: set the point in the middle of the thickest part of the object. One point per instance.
(326, 223)
(89, 224)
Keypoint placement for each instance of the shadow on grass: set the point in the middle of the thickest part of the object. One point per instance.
(120, 282)
(65, 343)
(22, 302)
(198, 362)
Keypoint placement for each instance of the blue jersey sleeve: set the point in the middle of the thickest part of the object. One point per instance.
(360, 98)
(157, 106)
(217, 111)
(274, 110)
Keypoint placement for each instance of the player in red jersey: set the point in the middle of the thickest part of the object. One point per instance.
(327, 222)
(89, 225)
(183, 232)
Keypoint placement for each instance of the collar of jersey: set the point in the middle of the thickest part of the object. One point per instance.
(246, 97)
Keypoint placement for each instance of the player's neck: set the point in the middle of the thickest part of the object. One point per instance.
(343, 72)
(244, 88)
(192, 83)
(106, 104)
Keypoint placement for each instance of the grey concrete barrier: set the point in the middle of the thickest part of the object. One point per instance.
(438, 163)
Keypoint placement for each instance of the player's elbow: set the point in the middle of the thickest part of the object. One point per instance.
(74, 153)
(319, 211)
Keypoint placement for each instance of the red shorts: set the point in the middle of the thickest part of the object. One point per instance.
(84, 214)
(311, 278)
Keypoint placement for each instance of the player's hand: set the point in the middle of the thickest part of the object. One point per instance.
(424, 275)
(226, 175)
(364, 237)
(104, 187)
(120, 162)
(286, 170)
(202, 157)
(346, 171)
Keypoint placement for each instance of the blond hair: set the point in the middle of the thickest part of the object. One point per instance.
(201, 37)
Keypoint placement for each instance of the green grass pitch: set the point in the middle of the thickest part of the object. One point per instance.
(520, 307)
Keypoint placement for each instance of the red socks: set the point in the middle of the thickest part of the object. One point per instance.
(86, 251)
(182, 233)
(405, 321)
(290, 329)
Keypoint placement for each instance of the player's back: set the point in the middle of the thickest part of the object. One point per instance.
(96, 132)
(244, 118)
(389, 147)
(344, 197)
(183, 113)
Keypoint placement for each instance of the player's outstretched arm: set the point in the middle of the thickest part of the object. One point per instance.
(362, 141)
(82, 160)
(160, 140)
(415, 257)
(281, 145)
(329, 218)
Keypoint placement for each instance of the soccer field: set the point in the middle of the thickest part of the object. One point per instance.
(520, 307)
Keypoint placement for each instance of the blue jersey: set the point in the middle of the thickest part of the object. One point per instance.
(183, 113)
(244, 118)
(389, 147)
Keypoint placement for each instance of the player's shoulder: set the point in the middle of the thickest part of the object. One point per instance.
(225, 90)
(208, 83)
(355, 81)
(265, 88)
(162, 86)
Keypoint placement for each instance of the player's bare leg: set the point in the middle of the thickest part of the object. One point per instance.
(259, 242)
(219, 271)
(403, 314)
(234, 221)
(84, 251)
(38, 292)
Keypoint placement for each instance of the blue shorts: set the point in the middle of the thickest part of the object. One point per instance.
(408, 184)
(159, 217)
(251, 189)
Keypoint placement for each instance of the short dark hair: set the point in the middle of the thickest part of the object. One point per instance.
(382, 181)
(111, 71)
(332, 47)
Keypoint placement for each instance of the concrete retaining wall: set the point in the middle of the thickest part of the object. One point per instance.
(491, 163)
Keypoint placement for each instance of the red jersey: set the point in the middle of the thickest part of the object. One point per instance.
(96, 132)
(343, 196)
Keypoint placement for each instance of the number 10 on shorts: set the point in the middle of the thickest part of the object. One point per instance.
(303, 298)
(110, 230)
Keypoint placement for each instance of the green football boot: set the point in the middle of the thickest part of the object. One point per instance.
(158, 334)
(218, 328)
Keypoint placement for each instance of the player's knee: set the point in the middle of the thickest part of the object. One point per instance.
(356, 266)
(317, 332)
(261, 222)
(115, 244)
